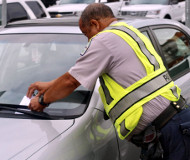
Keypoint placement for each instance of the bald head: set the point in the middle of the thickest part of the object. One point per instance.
(95, 18)
(96, 11)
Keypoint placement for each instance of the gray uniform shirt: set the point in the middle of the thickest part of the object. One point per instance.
(109, 53)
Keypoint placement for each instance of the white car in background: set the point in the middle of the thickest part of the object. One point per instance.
(25, 9)
(169, 9)
(75, 7)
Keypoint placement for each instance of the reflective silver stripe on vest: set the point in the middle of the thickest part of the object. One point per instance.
(141, 44)
(108, 97)
(123, 129)
(174, 91)
(138, 94)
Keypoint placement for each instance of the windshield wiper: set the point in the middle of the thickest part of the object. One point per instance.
(23, 110)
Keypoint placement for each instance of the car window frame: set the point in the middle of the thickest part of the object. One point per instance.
(151, 36)
(158, 48)
(155, 42)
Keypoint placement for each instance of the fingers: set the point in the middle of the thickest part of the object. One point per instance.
(40, 86)
(35, 106)
(40, 93)
(31, 90)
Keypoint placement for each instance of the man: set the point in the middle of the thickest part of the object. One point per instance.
(136, 89)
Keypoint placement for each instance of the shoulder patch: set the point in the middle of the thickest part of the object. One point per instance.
(86, 48)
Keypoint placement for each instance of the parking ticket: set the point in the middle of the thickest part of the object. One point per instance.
(25, 101)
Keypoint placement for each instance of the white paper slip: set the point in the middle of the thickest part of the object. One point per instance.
(25, 101)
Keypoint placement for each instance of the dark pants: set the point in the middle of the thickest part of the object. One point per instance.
(175, 138)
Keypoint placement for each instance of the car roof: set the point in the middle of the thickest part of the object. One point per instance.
(46, 25)
(66, 21)
(70, 24)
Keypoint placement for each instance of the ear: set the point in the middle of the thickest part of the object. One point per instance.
(95, 23)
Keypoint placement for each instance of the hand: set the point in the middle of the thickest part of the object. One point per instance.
(42, 87)
(35, 105)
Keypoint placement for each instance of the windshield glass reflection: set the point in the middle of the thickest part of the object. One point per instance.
(27, 58)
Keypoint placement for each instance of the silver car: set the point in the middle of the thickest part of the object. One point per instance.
(76, 127)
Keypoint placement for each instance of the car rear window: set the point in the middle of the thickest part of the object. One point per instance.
(36, 8)
(15, 12)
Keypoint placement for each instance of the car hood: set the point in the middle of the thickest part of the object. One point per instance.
(67, 8)
(142, 7)
(20, 138)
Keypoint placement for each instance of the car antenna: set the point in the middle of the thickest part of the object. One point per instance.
(4, 13)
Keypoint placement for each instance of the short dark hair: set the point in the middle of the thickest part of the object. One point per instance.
(95, 11)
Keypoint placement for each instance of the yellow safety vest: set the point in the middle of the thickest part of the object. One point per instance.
(124, 105)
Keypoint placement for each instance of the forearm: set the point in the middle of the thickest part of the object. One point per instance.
(60, 88)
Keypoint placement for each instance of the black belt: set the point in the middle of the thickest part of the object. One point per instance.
(149, 138)
(153, 130)
(169, 112)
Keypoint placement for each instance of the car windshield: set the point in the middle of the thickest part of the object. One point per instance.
(134, 2)
(27, 58)
(76, 1)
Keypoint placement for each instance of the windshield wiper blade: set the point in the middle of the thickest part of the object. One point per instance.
(13, 105)
(19, 108)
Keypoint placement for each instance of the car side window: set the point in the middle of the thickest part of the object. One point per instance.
(15, 11)
(36, 8)
(175, 46)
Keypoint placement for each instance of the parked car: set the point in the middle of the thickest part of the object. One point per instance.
(75, 127)
(74, 7)
(169, 9)
(183, 18)
(24, 9)
(48, 3)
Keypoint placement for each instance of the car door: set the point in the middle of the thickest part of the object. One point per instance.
(173, 44)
